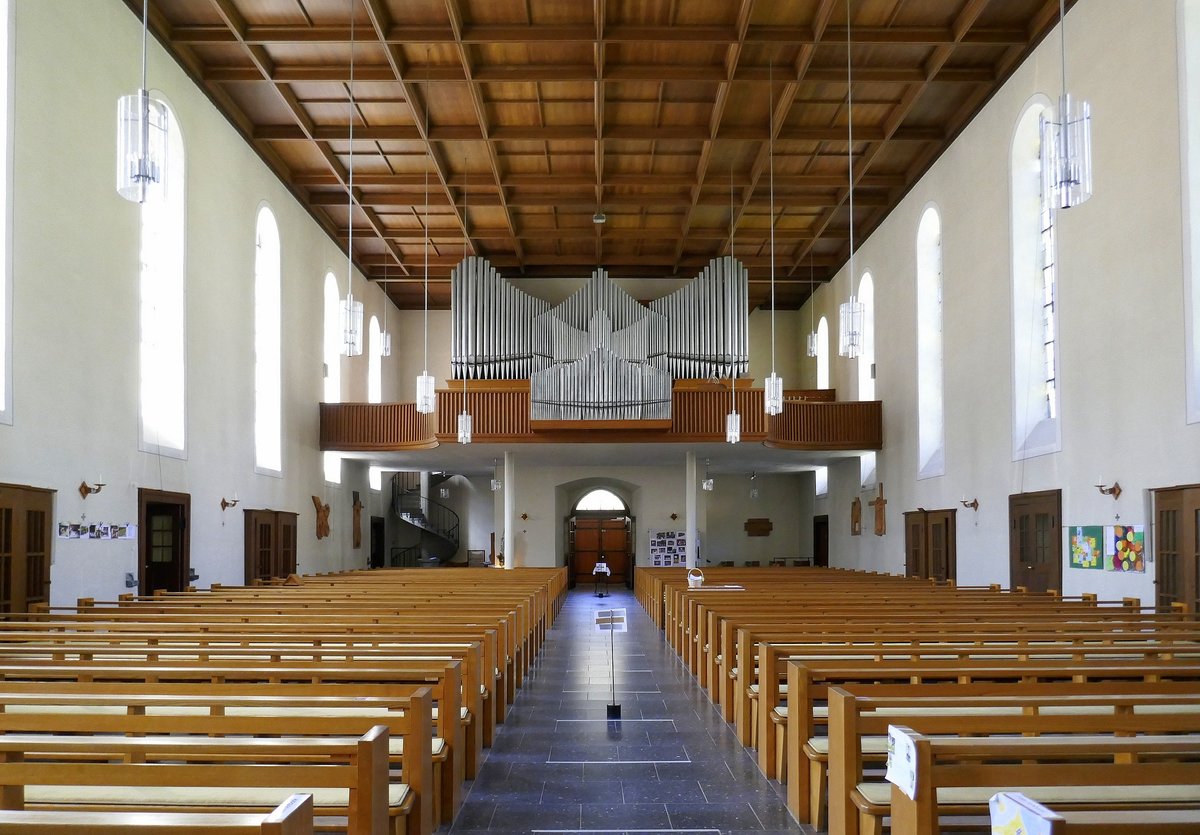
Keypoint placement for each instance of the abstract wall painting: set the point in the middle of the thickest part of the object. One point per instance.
(1087, 546)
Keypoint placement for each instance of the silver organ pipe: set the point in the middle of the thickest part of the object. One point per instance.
(599, 354)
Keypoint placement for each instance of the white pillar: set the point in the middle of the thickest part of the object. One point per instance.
(689, 514)
(510, 513)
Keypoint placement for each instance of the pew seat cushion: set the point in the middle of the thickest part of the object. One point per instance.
(215, 798)
(819, 747)
(876, 798)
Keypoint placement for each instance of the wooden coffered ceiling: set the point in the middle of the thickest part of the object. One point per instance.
(517, 120)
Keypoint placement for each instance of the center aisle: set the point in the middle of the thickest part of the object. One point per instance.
(670, 764)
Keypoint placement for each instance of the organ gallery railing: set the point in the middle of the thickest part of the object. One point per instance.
(501, 408)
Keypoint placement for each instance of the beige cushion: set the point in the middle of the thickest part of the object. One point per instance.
(463, 714)
(880, 794)
(868, 744)
(216, 797)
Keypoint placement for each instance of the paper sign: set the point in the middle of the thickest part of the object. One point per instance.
(611, 620)
(1013, 813)
(902, 761)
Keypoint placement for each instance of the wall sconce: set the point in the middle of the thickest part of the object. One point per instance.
(973, 504)
(228, 503)
(524, 517)
(1114, 490)
(674, 516)
(86, 489)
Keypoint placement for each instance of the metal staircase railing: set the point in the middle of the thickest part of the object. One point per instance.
(439, 525)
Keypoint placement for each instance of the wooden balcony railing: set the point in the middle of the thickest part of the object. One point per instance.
(375, 427)
(500, 414)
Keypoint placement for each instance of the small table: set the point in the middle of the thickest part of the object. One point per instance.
(600, 573)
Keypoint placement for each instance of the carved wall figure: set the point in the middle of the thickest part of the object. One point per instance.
(322, 517)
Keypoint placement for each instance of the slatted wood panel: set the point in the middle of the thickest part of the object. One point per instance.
(365, 427)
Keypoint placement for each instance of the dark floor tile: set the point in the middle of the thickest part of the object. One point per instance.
(662, 791)
(531, 816)
(620, 771)
(621, 815)
(721, 816)
(475, 814)
(580, 790)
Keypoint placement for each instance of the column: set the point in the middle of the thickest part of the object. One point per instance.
(510, 513)
(689, 513)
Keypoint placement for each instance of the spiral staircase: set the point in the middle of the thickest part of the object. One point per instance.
(434, 526)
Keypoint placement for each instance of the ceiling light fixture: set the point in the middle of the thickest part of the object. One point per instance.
(773, 386)
(1066, 141)
(496, 484)
(707, 484)
(385, 338)
(425, 380)
(850, 313)
(733, 421)
(464, 419)
(141, 137)
(599, 217)
(352, 310)
(812, 303)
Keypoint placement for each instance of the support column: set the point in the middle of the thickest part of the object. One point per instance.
(690, 511)
(510, 513)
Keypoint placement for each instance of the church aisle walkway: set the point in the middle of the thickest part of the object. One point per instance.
(669, 765)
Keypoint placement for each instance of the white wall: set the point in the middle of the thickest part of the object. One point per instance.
(1120, 322)
(75, 341)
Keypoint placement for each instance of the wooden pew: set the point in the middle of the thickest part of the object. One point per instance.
(442, 679)
(859, 718)
(201, 774)
(957, 775)
(294, 816)
(808, 685)
(1118, 822)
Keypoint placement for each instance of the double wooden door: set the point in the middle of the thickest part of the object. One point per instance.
(270, 549)
(590, 538)
(26, 515)
(1035, 540)
(930, 544)
(1177, 546)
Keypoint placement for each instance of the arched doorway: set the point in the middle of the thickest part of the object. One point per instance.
(599, 525)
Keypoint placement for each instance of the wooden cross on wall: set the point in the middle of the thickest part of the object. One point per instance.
(879, 503)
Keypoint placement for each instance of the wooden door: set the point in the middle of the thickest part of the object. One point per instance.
(1177, 547)
(378, 543)
(1035, 540)
(26, 515)
(821, 540)
(593, 537)
(270, 544)
(163, 552)
(940, 536)
(930, 549)
(915, 561)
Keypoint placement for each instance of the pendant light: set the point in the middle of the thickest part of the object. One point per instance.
(352, 310)
(773, 387)
(425, 380)
(141, 137)
(850, 313)
(1066, 141)
(707, 484)
(464, 419)
(812, 303)
(385, 338)
(496, 483)
(733, 421)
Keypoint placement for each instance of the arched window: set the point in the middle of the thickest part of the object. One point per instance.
(823, 354)
(374, 363)
(163, 385)
(268, 395)
(1035, 320)
(333, 366)
(931, 419)
(1189, 35)
(866, 366)
(601, 499)
(6, 51)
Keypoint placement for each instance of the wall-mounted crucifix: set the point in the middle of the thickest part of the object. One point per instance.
(879, 503)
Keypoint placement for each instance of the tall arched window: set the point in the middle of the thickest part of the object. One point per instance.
(1189, 38)
(931, 419)
(866, 365)
(1035, 320)
(162, 389)
(6, 58)
(268, 395)
(333, 366)
(374, 363)
(823, 354)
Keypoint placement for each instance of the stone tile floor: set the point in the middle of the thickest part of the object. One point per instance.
(670, 764)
